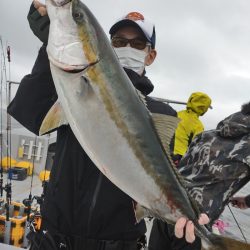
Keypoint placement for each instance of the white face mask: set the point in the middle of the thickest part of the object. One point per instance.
(131, 58)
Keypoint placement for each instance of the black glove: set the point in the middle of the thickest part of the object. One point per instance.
(38, 24)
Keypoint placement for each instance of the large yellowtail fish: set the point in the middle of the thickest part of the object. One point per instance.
(109, 117)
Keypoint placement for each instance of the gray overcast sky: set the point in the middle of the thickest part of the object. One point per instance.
(203, 45)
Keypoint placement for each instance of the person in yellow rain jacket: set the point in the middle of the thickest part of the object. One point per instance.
(190, 124)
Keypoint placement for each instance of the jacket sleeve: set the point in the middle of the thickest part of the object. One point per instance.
(35, 95)
(199, 128)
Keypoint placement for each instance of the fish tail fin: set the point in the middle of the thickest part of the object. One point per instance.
(219, 242)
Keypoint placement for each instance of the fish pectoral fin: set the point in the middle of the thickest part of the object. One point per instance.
(165, 126)
(54, 119)
(141, 212)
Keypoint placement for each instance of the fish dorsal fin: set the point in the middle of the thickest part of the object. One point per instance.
(165, 126)
(54, 119)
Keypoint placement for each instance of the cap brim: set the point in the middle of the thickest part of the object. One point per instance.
(124, 23)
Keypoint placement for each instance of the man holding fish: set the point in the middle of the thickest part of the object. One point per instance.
(83, 209)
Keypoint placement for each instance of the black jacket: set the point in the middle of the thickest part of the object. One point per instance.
(80, 201)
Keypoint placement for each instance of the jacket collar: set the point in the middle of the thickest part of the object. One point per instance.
(142, 83)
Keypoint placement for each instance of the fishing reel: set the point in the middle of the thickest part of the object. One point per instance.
(28, 201)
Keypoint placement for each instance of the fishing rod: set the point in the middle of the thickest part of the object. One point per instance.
(45, 180)
(3, 79)
(1, 122)
(40, 198)
(8, 186)
(33, 223)
(241, 231)
(28, 202)
(168, 101)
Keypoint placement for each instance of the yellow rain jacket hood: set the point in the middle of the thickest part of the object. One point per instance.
(190, 124)
(199, 102)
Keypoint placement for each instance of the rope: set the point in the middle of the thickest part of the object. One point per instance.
(237, 223)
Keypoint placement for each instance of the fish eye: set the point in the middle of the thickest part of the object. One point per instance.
(78, 15)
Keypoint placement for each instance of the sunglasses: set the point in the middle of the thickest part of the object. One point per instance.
(135, 43)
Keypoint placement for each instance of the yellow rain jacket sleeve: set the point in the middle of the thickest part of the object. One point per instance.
(190, 124)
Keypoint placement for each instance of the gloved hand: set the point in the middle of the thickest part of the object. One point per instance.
(41, 8)
(183, 223)
(39, 20)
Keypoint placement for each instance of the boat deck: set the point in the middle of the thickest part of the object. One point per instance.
(8, 247)
(21, 191)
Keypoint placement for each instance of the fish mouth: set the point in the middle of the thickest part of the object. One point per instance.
(74, 71)
(67, 67)
(80, 70)
(71, 68)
